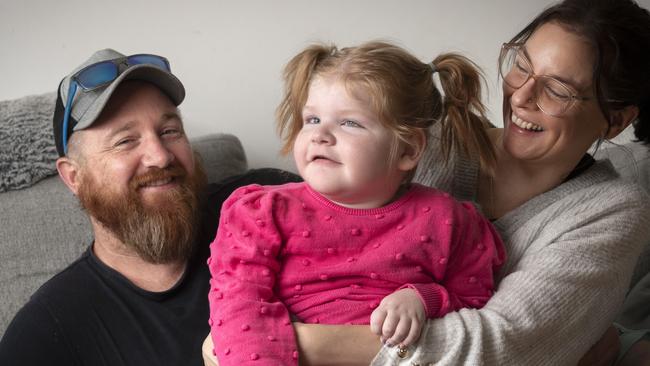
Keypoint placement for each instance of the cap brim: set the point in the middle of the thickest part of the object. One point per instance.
(164, 80)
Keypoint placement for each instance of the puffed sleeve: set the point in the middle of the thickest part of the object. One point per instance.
(475, 254)
(249, 324)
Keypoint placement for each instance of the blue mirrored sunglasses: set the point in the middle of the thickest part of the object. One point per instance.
(101, 74)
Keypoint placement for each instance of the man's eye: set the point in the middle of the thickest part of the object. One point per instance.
(124, 142)
(171, 131)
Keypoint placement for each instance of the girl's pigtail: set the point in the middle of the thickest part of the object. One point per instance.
(463, 124)
(297, 77)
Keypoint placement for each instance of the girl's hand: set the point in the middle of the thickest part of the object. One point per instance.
(209, 359)
(399, 318)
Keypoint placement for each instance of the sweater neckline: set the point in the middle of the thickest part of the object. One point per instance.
(598, 172)
(113, 275)
(411, 190)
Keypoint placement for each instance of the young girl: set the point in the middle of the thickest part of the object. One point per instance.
(355, 243)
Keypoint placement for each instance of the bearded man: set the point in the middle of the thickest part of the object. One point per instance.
(138, 295)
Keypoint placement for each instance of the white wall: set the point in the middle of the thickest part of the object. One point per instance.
(229, 54)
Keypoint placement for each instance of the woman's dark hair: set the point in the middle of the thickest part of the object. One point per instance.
(619, 32)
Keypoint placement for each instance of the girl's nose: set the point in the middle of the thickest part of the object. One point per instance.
(322, 135)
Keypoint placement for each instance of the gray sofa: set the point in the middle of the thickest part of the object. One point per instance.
(42, 228)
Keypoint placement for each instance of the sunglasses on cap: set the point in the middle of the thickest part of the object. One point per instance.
(101, 74)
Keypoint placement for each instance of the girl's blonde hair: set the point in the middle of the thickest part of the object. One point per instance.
(402, 94)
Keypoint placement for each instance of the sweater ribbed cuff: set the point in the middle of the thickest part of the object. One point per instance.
(431, 296)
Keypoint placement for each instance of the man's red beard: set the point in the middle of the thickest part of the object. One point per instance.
(159, 232)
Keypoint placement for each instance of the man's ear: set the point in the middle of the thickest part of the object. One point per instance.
(412, 151)
(620, 119)
(69, 172)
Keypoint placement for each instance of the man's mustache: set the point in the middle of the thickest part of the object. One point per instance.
(173, 173)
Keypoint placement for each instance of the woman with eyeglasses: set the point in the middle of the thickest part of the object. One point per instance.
(577, 75)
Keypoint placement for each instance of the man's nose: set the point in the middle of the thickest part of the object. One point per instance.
(156, 153)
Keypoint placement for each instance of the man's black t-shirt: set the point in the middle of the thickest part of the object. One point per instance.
(89, 314)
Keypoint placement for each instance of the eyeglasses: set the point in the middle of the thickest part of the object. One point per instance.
(101, 74)
(552, 96)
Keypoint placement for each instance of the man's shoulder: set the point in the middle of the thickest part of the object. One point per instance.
(218, 192)
(41, 324)
(65, 287)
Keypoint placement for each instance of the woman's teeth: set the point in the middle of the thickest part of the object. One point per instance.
(525, 124)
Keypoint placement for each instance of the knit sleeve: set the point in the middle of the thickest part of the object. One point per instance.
(571, 269)
(476, 253)
(249, 324)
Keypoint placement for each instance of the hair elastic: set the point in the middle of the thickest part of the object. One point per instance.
(433, 67)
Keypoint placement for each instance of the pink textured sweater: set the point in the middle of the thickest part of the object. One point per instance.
(286, 249)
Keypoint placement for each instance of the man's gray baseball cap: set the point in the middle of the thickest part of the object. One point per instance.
(87, 105)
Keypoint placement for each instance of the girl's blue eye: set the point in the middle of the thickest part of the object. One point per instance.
(312, 120)
(349, 123)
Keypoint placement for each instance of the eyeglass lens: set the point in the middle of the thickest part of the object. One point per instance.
(98, 74)
(552, 96)
(106, 71)
(149, 59)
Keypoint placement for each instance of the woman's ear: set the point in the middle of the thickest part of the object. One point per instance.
(620, 119)
(69, 172)
(412, 151)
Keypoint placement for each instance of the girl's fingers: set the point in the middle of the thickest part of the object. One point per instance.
(377, 320)
(414, 333)
(388, 329)
(401, 331)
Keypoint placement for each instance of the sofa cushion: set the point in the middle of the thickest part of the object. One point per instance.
(222, 155)
(27, 151)
(41, 230)
(630, 158)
